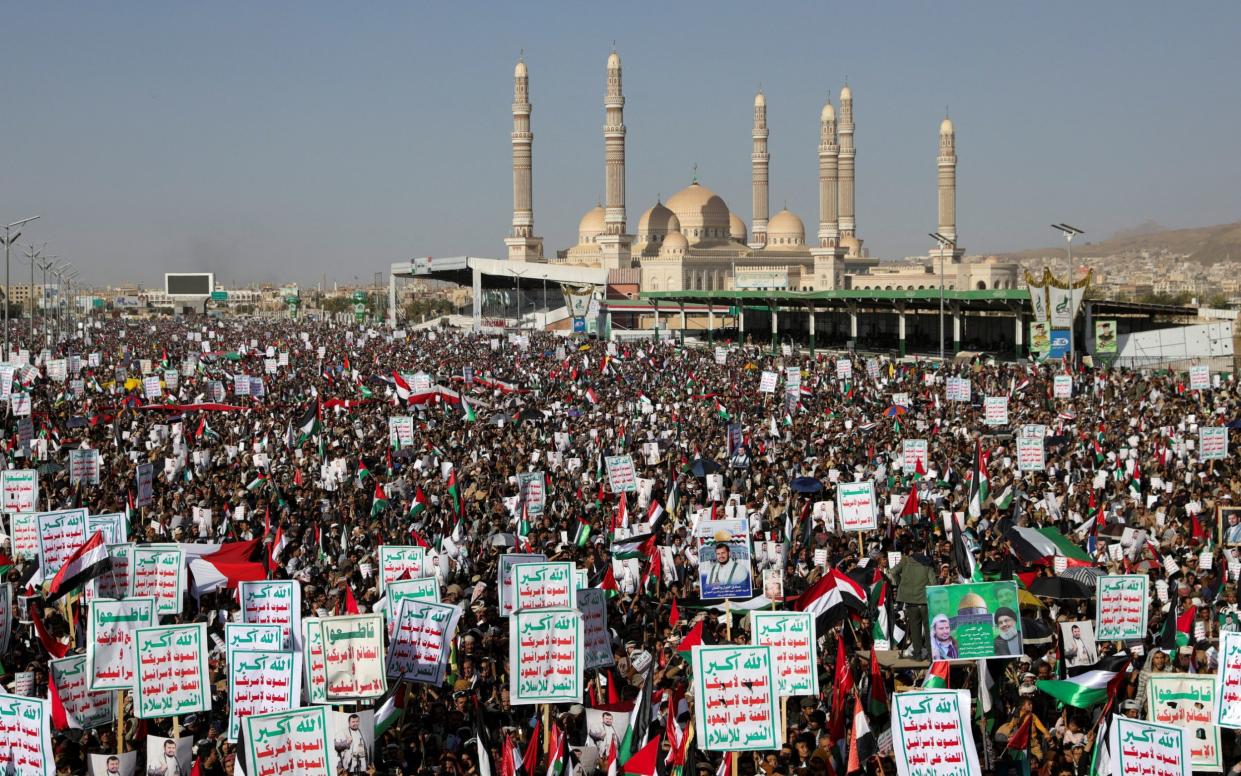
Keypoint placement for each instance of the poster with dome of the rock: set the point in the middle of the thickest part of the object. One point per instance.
(975, 620)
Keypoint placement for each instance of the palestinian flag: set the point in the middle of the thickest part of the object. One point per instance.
(633, 546)
(962, 558)
(583, 532)
(363, 472)
(861, 740)
(722, 411)
(834, 596)
(379, 502)
(1040, 545)
(259, 481)
(980, 482)
(454, 492)
(559, 758)
(608, 583)
(87, 562)
(308, 424)
(692, 639)
(643, 761)
(468, 412)
(876, 692)
(639, 731)
(421, 502)
(1177, 629)
(1088, 686)
(389, 708)
(937, 676)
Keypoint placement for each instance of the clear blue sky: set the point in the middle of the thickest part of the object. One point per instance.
(282, 140)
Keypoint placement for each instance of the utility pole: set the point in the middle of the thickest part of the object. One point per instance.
(8, 239)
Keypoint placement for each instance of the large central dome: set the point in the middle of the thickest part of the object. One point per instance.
(702, 214)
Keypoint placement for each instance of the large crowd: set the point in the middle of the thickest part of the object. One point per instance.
(1122, 483)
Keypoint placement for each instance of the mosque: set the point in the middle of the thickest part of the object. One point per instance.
(695, 242)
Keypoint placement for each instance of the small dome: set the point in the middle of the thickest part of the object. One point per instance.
(846, 93)
(614, 60)
(657, 221)
(674, 245)
(703, 215)
(591, 225)
(520, 70)
(828, 113)
(945, 126)
(736, 228)
(760, 101)
(785, 228)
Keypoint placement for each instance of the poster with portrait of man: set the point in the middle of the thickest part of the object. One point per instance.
(169, 756)
(723, 559)
(1229, 519)
(113, 764)
(773, 584)
(352, 734)
(605, 730)
(1077, 643)
(975, 620)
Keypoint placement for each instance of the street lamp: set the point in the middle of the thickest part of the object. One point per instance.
(1069, 233)
(32, 256)
(70, 301)
(944, 243)
(44, 265)
(8, 238)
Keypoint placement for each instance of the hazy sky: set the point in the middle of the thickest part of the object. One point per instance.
(279, 141)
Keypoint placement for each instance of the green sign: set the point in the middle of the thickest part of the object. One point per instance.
(359, 296)
(974, 620)
(219, 296)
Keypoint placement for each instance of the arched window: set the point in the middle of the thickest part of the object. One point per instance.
(982, 285)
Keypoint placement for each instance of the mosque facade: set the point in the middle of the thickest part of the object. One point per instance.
(695, 242)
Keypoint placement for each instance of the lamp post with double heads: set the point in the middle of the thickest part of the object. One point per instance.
(1069, 233)
(32, 256)
(8, 238)
(44, 265)
(945, 243)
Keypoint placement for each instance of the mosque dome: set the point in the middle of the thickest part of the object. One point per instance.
(673, 245)
(760, 101)
(785, 228)
(828, 113)
(736, 228)
(701, 212)
(591, 225)
(846, 93)
(520, 70)
(945, 126)
(657, 222)
(614, 60)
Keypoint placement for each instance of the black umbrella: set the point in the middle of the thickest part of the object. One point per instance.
(806, 485)
(1060, 588)
(1035, 636)
(701, 467)
(530, 413)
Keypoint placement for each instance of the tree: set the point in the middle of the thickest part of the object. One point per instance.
(337, 304)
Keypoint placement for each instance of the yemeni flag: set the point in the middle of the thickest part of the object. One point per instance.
(86, 563)
(308, 424)
(421, 502)
(403, 391)
(654, 513)
(468, 412)
(620, 518)
(591, 397)
(1088, 686)
(277, 547)
(379, 501)
(980, 482)
(937, 676)
(834, 596)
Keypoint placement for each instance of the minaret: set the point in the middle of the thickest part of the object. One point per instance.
(947, 164)
(848, 228)
(828, 266)
(522, 244)
(758, 173)
(614, 242)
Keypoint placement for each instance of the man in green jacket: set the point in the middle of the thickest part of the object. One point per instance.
(911, 577)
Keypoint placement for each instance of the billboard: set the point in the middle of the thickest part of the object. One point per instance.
(189, 283)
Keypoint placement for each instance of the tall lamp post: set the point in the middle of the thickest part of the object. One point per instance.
(44, 265)
(8, 238)
(945, 243)
(1069, 233)
(33, 257)
(70, 301)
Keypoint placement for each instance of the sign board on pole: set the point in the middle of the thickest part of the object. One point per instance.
(736, 705)
(545, 657)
